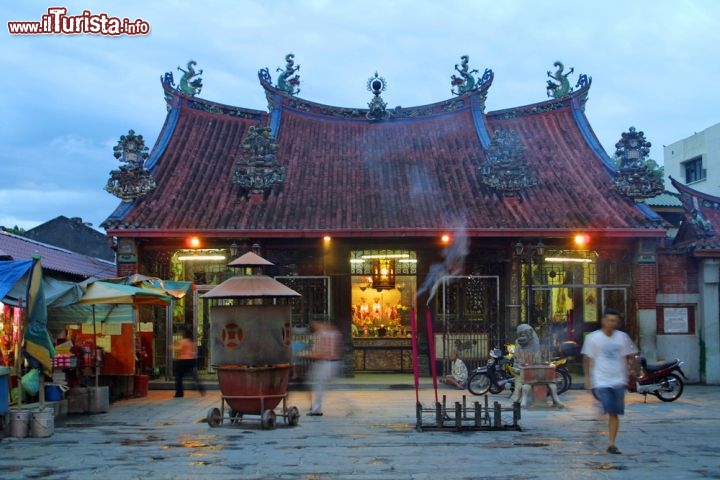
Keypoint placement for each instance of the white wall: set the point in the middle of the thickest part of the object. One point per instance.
(706, 144)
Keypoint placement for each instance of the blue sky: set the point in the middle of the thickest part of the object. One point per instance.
(67, 99)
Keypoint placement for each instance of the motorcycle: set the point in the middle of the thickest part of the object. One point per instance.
(493, 377)
(659, 380)
(499, 374)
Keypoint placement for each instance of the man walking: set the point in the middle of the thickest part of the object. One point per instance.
(607, 353)
(327, 355)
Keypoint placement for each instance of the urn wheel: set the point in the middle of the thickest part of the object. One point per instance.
(293, 416)
(235, 417)
(214, 417)
(268, 420)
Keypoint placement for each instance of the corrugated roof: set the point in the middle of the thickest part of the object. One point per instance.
(665, 199)
(55, 258)
(416, 175)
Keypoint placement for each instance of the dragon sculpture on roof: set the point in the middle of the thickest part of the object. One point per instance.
(288, 81)
(190, 85)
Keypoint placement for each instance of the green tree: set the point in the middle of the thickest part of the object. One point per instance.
(16, 230)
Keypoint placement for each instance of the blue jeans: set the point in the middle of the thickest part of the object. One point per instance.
(612, 399)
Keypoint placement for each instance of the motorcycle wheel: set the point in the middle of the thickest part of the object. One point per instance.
(563, 380)
(479, 384)
(495, 388)
(671, 389)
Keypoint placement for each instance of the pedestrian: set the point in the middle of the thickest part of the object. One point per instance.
(608, 353)
(186, 363)
(458, 372)
(327, 355)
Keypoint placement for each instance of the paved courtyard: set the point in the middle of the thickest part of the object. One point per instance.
(369, 433)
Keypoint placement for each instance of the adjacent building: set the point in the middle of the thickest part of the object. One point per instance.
(73, 234)
(695, 160)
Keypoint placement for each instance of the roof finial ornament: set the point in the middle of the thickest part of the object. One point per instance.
(378, 108)
(132, 180)
(635, 177)
(506, 169)
(561, 86)
(288, 81)
(259, 170)
(467, 82)
(187, 85)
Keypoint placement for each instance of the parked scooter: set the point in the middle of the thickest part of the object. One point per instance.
(659, 380)
(494, 377)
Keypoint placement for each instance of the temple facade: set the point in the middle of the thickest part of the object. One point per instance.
(483, 219)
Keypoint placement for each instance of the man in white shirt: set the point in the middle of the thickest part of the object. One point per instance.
(607, 353)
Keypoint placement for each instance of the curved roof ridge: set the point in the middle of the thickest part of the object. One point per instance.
(578, 96)
(309, 107)
(682, 188)
(209, 105)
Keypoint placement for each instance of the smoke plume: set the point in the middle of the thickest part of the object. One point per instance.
(453, 263)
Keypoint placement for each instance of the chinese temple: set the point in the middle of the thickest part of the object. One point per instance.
(483, 218)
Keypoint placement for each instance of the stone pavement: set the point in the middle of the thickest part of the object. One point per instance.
(369, 434)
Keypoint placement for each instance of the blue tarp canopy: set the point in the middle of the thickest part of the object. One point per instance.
(11, 271)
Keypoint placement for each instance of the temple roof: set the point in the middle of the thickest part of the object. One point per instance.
(414, 174)
(699, 231)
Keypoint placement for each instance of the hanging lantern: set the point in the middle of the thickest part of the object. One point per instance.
(383, 274)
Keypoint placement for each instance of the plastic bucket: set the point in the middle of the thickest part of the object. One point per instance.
(141, 385)
(43, 423)
(53, 393)
(19, 423)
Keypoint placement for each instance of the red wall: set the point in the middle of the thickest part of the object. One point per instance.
(677, 273)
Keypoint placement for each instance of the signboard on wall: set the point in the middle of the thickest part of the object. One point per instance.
(675, 319)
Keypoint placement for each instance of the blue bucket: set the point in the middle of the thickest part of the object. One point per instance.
(53, 393)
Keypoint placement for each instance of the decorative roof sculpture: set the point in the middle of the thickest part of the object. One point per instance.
(635, 177)
(259, 170)
(560, 87)
(378, 108)
(506, 170)
(467, 82)
(190, 85)
(132, 180)
(288, 81)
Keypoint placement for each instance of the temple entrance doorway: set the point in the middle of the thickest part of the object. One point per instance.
(568, 312)
(383, 287)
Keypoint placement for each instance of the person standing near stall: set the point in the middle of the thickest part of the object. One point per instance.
(186, 363)
(327, 355)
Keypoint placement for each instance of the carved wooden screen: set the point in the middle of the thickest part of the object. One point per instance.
(314, 302)
(469, 311)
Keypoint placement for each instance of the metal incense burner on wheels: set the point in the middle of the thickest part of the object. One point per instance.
(251, 336)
